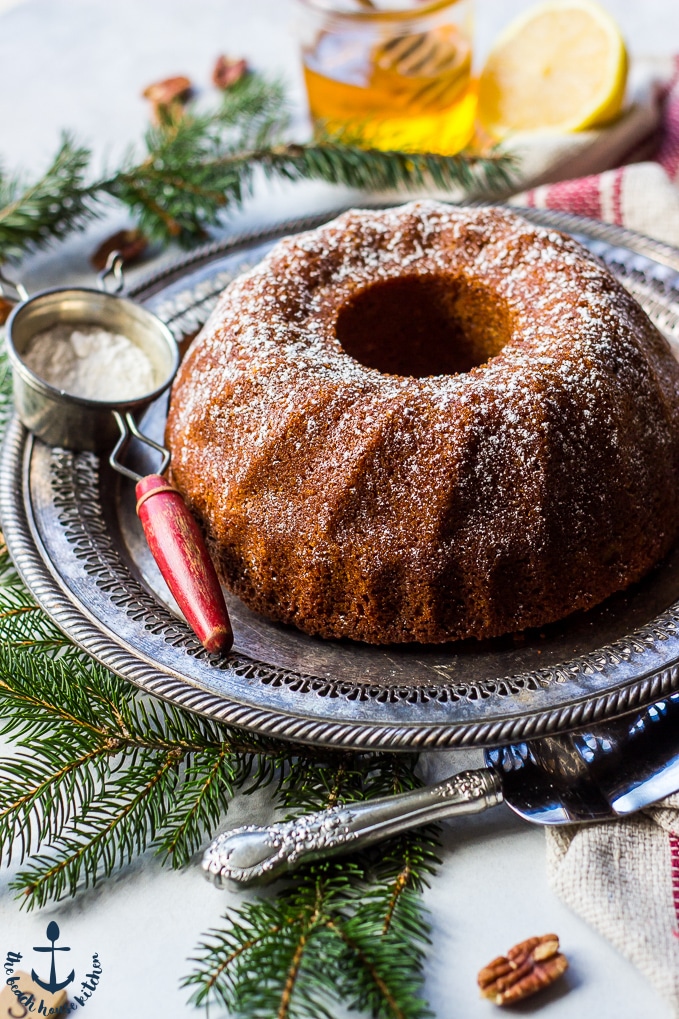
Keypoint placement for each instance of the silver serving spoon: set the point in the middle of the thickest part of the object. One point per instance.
(598, 774)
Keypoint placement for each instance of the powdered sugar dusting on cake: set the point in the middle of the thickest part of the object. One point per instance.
(282, 320)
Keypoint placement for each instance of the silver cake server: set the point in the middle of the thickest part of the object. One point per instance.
(604, 772)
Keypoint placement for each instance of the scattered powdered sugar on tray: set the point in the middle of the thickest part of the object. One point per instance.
(91, 363)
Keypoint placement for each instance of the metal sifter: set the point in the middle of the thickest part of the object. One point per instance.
(62, 419)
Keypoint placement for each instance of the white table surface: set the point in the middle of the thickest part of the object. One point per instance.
(82, 64)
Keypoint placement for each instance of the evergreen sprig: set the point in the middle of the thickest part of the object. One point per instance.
(196, 165)
(193, 167)
(322, 941)
(102, 773)
(60, 201)
(348, 931)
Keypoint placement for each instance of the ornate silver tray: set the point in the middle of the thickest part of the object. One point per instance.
(71, 528)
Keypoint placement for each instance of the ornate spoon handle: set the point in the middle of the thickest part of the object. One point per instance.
(252, 853)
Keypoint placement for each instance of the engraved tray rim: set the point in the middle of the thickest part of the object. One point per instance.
(642, 674)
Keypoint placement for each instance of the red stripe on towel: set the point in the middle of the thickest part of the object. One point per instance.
(582, 196)
(668, 153)
(674, 863)
(617, 196)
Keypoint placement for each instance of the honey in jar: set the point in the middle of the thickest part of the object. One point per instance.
(398, 79)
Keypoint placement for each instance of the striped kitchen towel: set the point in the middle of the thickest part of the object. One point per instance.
(622, 877)
(636, 164)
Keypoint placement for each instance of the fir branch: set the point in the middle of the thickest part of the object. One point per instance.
(187, 177)
(380, 170)
(102, 774)
(200, 802)
(350, 930)
(21, 621)
(386, 976)
(321, 942)
(197, 165)
(175, 200)
(111, 830)
(57, 203)
(257, 106)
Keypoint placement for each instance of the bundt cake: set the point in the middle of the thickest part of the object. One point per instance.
(426, 424)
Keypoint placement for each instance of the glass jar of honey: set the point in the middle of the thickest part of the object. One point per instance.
(395, 74)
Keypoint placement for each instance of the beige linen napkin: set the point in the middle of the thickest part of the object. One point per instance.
(621, 877)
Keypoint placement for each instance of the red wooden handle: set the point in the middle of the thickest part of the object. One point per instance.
(178, 547)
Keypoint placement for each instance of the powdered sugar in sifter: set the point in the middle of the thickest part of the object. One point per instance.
(68, 419)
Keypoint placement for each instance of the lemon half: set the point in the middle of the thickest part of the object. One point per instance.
(561, 66)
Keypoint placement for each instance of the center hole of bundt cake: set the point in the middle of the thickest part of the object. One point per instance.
(423, 325)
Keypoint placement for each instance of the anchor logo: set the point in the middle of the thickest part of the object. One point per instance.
(53, 986)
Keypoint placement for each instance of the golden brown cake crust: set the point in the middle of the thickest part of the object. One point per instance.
(357, 502)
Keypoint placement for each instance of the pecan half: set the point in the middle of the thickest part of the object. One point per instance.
(130, 243)
(527, 968)
(227, 72)
(167, 98)
(162, 93)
